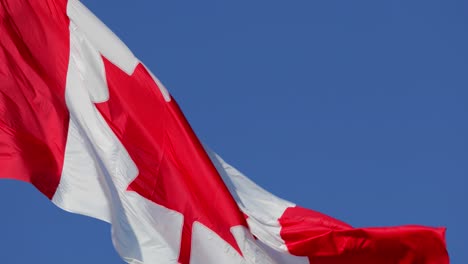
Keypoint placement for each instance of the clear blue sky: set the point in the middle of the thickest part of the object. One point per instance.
(358, 109)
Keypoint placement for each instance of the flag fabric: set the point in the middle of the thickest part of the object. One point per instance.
(95, 131)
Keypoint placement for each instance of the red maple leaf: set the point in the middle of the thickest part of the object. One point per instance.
(174, 169)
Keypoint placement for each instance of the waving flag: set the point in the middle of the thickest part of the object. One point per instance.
(90, 127)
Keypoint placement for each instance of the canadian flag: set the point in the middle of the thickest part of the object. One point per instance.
(89, 126)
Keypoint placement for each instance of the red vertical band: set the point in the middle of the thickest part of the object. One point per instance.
(325, 240)
(34, 54)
